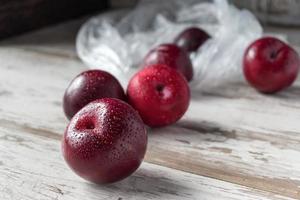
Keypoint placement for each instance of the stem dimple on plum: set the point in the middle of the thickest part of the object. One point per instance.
(159, 87)
(273, 55)
(90, 125)
(86, 124)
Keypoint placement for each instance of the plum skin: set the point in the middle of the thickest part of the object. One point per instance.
(160, 94)
(172, 56)
(89, 86)
(270, 65)
(105, 141)
(191, 39)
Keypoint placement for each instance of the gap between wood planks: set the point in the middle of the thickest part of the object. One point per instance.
(180, 162)
(184, 162)
(47, 177)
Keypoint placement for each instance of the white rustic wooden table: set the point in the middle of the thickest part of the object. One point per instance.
(233, 143)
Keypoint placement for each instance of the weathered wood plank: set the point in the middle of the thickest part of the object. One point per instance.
(232, 133)
(228, 156)
(32, 168)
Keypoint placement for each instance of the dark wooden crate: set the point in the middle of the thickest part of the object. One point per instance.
(18, 16)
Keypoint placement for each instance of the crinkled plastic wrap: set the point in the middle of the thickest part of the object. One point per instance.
(118, 41)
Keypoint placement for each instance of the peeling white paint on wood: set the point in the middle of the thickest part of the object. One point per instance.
(232, 134)
(32, 168)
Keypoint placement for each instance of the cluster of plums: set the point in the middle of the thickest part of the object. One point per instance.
(106, 138)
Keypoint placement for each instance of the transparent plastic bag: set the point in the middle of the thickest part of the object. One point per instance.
(118, 41)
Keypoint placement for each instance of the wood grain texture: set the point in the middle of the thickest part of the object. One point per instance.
(233, 133)
(32, 168)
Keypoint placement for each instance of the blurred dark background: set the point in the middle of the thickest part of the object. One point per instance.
(20, 16)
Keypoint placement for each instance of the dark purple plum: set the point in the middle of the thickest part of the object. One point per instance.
(191, 39)
(172, 56)
(105, 141)
(89, 86)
